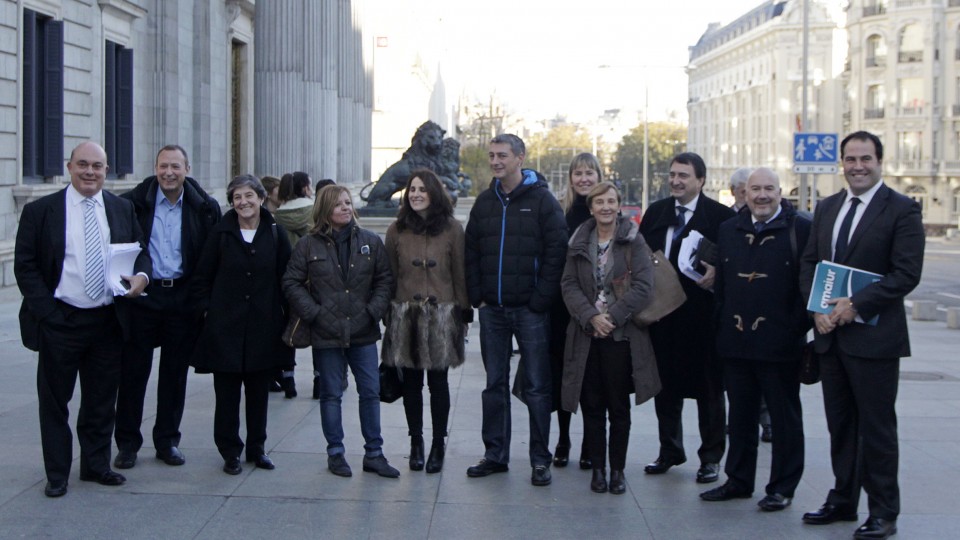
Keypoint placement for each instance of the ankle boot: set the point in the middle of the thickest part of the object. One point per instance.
(416, 453)
(289, 385)
(316, 385)
(618, 483)
(562, 454)
(599, 482)
(435, 461)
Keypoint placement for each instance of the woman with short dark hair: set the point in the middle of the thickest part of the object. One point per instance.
(237, 285)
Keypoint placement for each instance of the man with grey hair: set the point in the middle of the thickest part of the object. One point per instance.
(761, 327)
(515, 246)
(738, 187)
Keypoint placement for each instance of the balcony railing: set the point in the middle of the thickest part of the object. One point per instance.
(872, 114)
(910, 3)
(907, 57)
(877, 61)
(870, 11)
(915, 110)
(951, 166)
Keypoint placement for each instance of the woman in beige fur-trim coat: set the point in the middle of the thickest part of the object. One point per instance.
(428, 314)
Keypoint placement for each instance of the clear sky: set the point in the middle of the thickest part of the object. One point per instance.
(543, 57)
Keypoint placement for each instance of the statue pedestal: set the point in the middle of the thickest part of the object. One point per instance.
(368, 211)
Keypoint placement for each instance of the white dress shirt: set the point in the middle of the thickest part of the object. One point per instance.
(71, 287)
(861, 208)
(687, 216)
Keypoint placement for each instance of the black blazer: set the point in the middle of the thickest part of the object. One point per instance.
(888, 240)
(40, 250)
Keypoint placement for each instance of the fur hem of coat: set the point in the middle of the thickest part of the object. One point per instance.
(423, 335)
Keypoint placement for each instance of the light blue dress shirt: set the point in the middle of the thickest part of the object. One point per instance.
(165, 238)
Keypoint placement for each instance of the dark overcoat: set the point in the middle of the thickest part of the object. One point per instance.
(238, 286)
(631, 263)
(761, 314)
(684, 340)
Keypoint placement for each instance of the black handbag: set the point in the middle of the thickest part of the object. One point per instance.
(391, 383)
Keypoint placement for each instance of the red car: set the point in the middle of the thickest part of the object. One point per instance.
(632, 212)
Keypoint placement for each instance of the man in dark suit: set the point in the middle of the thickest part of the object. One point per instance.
(69, 315)
(684, 340)
(871, 227)
(175, 215)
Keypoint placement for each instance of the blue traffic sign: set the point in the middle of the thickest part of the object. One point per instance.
(815, 148)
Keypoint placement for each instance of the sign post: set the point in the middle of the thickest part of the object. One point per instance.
(815, 153)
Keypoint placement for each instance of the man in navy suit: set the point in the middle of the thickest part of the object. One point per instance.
(69, 315)
(684, 341)
(871, 227)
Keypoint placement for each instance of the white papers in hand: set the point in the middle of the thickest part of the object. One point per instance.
(120, 259)
(688, 254)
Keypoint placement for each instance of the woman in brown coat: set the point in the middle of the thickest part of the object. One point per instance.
(607, 278)
(425, 325)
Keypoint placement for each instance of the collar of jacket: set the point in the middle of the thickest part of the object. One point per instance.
(191, 192)
(579, 242)
(787, 211)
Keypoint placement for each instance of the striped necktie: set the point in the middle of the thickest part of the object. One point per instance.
(681, 222)
(93, 275)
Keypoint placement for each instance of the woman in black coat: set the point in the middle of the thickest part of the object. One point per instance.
(237, 285)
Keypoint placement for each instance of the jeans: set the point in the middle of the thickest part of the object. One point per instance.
(330, 365)
(498, 325)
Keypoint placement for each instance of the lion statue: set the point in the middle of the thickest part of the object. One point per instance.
(428, 149)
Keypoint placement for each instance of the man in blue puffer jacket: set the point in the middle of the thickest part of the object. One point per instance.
(516, 242)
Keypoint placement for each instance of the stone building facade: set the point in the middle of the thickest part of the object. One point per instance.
(745, 90)
(262, 87)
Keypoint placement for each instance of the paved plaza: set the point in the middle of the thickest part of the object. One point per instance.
(301, 499)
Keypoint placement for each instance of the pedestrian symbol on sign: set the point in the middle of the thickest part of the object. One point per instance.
(815, 152)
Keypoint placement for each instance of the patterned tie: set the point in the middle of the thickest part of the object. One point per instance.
(93, 275)
(844, 236)
(681, 221)
(758, 226)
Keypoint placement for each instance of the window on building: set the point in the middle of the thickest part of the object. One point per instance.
(874, 102)
(910, 95)
(955, 201)
(911, 44)
(876, 51)
(42, 96)
(909, 145)
(919, 194)
(118, 108)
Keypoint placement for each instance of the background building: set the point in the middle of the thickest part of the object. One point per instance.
(264, 87)
(745, 89)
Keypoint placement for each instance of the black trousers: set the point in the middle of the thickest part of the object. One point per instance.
(749, 382)
(84, 342)
(439, 401)
(711, 414)
(607, 384)
(226, 417)
(175, 332)
(859, 397)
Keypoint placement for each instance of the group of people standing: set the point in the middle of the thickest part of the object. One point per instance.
(564, 282)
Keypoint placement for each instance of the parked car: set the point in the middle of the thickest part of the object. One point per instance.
(632, 212)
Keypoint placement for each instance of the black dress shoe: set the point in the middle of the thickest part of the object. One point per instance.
(874, 528)
(618, 483)
(106, 478)
(485, 468)
(125, 460)
(435, 461)
(541, 475)
(381, 466)
(598, 484)
(416, 453)
(774, 502)
(662, 465)
(275, 386)
(829, 513)
(55, 488)
(171, 456)
(766, 434)
(232, 466)
(726, 492)
(708, 472)
(561, 456)
(586, 464)
(262, 461)
(338, 465)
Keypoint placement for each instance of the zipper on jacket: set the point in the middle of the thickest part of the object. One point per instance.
(503, 231)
